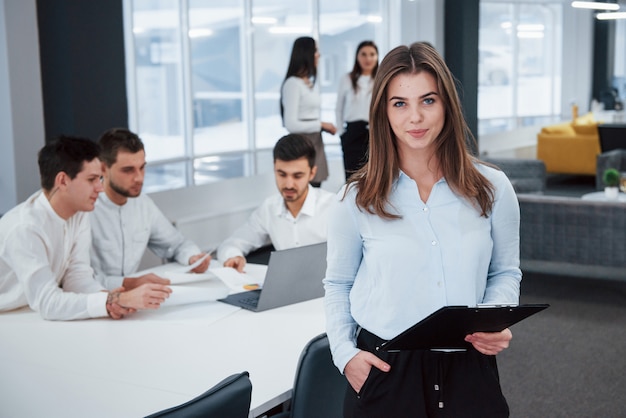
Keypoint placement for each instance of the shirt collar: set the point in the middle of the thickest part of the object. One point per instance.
(308, 208)
(45, 203)
(309, 203)
(404, 177)
(104, 199)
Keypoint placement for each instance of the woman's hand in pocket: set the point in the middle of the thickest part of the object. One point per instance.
(359, 366)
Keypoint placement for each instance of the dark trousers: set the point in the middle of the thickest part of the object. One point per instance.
(354, 143)
(425, 383)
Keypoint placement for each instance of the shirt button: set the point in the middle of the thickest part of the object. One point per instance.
(433, 243)
(439, 284)
(425, 209)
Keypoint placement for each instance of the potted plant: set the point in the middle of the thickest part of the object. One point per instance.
(610, 178)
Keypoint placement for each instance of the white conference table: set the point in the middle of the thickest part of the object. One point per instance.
(149, 361)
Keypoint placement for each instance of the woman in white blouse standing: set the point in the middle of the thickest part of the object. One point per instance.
(353, 103)
(300, 102)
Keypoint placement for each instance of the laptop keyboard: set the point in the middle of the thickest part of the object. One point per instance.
(252, 300)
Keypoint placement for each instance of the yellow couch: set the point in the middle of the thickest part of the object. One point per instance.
(570, 147)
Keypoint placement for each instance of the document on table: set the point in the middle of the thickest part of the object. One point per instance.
(180, 268)
(182, 295)
(179, 273)
(254, 275)
(177, 277)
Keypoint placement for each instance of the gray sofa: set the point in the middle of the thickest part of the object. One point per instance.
(526, 175)
(565, 235)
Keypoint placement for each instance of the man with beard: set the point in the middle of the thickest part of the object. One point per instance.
(44, 243)
(126, 222)
(295, 217)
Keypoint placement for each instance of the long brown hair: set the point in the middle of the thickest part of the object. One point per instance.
(375, 180)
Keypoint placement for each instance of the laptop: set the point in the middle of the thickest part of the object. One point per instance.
(293, 275)
(612, 136)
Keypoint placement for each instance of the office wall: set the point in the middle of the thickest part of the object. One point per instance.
(461, 26)
(82, 62)
(604, 35)
(8, 190)
(422, 21)
(21, 112)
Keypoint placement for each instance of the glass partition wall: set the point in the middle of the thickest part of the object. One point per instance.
(204, 78)
(519, 81)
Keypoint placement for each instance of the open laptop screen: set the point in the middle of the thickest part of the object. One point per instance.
(293, 275)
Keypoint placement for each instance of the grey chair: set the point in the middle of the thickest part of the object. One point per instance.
(319, 388)
(526, 175)
(230, 398)
(260, 255)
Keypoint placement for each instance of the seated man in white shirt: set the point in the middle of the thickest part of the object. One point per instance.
(126, 222)
(295, 217)
(44, 243)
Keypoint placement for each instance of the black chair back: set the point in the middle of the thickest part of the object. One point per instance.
(612, 136)
(230, 398)
(319, 389)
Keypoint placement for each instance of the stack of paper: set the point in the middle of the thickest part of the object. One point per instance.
(240, 281)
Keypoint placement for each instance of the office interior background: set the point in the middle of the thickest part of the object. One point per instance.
(199, 80)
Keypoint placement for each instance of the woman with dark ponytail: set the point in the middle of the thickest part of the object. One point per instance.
(300, 102)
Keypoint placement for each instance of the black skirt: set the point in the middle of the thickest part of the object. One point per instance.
(354, 143)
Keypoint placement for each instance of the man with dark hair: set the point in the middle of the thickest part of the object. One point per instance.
(126, 222)
(295, 217)
(44, 243)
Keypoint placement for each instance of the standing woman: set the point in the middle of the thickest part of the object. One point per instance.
(422, 225)
(353, 106)
(300, 102)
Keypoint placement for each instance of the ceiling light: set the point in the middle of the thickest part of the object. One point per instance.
(609, 16)
(260, 20)
(596, 5)
(200, 33)
(530, 28)
(289, 30)
(530, 35)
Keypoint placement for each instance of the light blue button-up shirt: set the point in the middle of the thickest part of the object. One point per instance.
(121, 234)
(386, 275)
